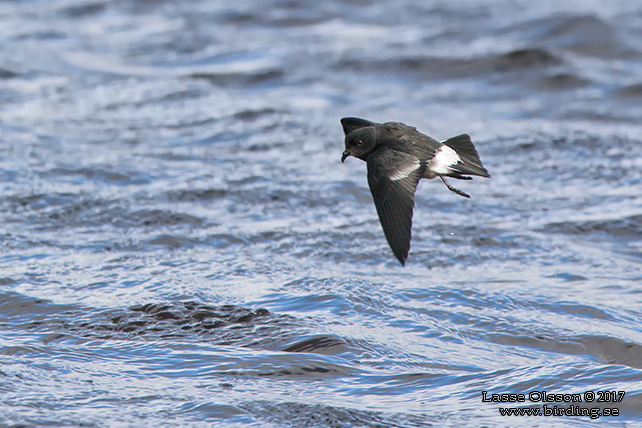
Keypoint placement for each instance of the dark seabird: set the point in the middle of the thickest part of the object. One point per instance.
(398, 156)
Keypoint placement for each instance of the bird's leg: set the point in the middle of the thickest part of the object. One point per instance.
(452, 189)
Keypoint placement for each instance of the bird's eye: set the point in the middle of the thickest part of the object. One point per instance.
(359, 142)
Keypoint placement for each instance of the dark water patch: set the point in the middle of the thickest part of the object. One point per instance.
(562, 81)
(613, 350)
(472, 249)
(549, 145)
(197, 195)
(439, 67)
(99, 174)
(176, 96)
(295, 14)
(19, 311)
(575, 310)
(199, 312)
(318, 415)
(525, 59)
(252, 115)
(583, 34)
(224, 139)
(170, 241)
(84, 10)
(633, 92)
(156, 217)
(244, 79)
(7, 74)
(225, 325)
(176, 320)
(629, 228)
(607, 350)
(209, 411)
(366, 248)
(581, 113)
(237, 17)
(588, 35)
(323, 344)
(39, 201)
(83, 210)
(622, 236)
(606, 160)
(277, 16)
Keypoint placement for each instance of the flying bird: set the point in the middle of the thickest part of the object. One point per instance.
(398, 156)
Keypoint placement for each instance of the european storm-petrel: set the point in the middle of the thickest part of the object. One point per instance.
(398, 156)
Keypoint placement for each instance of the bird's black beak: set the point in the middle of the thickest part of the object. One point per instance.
(344, 156)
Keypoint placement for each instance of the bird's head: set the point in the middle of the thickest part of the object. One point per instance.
(360, 143)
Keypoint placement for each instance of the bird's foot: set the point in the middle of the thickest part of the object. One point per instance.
(452, 189)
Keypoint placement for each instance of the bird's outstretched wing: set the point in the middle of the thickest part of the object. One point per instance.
(351, 123)
(393, 177)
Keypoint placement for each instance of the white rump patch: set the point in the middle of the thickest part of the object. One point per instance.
(405, 170)
(444, 159)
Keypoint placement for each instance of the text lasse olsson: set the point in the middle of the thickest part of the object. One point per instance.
(533, 396)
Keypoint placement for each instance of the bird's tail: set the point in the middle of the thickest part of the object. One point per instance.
(469, 162)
